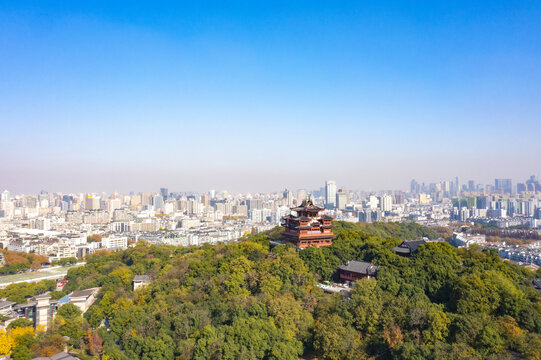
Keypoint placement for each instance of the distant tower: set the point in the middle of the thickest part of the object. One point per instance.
(288, 197)
(503, 185)
(330, 194)
(6, 196)
(415, 188)
(307, 228)
(164, 192)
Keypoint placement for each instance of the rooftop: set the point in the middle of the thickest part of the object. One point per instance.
(82, 293)
(60, 356)
(360, 267)
(141, 278)
(307, 205)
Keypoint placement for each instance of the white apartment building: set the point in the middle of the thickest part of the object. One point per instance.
(114, 243)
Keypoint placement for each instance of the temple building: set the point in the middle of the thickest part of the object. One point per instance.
(307, 228)
(355, 270)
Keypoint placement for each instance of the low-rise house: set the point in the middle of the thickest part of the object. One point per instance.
(140, 281)
(81, 298)
(355, 270)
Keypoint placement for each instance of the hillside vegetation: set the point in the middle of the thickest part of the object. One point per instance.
(246, 301)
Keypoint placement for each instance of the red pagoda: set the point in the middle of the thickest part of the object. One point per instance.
(307, 228)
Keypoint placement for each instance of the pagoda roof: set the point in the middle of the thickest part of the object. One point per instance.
(326, 217)
(307, 205)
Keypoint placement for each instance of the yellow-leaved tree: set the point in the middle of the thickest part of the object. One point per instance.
(17, 333)
(6, 343)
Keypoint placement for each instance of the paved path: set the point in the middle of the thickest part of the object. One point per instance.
(55, 272)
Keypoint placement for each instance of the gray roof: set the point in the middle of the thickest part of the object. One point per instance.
(402, 250)
(360, 267)
(408, 247)
(5, 303)
(27, 304)
(413, 244)
(141, 278)
(60, 356)
(82, 293)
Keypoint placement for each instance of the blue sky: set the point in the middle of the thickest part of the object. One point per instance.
(258, 96)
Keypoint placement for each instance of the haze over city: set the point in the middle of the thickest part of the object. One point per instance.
(262, 96)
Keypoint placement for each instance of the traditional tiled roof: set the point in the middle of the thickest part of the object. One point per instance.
(307, 205)
(360, 267)
(408, 247)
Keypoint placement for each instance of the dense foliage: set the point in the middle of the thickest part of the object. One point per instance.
(403, 231)
(21, 292)
(16, 261)
(248, 301)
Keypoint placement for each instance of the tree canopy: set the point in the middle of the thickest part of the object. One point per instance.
(246, 300)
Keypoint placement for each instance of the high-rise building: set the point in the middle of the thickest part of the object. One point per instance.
(415, 187)
(205, 199)
(365, 216)
(288, 197)
(146, 198)
(5, 196)
(330, 194)
(157, 202)
(471, 185)
(341, 200)
(302, 194)
(164, 192)
(503, 185)
(386, 203)
(92, 203)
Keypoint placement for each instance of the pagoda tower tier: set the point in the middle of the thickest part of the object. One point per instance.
(307, 228)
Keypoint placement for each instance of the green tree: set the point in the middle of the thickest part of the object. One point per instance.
(69, 311)
(20, 322)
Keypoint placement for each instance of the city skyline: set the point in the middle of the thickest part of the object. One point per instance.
(105, 97)
(464, 185)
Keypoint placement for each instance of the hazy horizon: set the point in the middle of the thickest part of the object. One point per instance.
(265, 96)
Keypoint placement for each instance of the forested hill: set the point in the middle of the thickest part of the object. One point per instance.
(246, 301)
(403, 231)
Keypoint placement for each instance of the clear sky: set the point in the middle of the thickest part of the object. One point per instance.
(262, 95)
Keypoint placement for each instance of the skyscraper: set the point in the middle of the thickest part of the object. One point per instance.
(164, 192)
(157, 202)
(330, 194)
(415, 188)
(504, 185)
